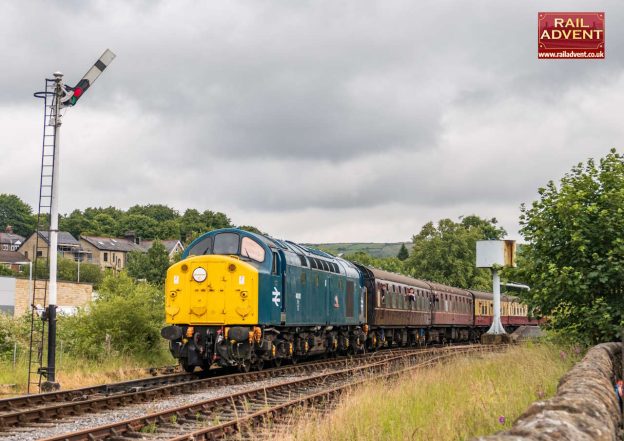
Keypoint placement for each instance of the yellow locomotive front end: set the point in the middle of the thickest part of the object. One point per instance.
(203, 294)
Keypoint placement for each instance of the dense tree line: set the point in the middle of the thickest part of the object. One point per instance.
(153, 221)
(146, 221)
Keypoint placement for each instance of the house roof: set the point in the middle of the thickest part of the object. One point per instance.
(11, 238)
(169, 244)
(12, 257)
(113, 244)
(64, 238)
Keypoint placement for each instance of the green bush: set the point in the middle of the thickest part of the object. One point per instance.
(5, 271)
(66, 270)
(13, 330)
(125, 320)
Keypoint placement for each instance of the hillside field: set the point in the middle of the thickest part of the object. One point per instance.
(374, 249)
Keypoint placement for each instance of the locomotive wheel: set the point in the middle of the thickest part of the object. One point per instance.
(259, 365)
(244, 366)
(185, 365)
(277, 362)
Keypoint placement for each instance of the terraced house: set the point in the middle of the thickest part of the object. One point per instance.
(112, 252)
(68, 247)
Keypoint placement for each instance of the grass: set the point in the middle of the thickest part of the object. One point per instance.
(455, 401)
(77, 372)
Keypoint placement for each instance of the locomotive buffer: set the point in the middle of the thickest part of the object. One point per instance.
(57, 97)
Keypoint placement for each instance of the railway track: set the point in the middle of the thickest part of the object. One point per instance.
(243, 410)
(32, 410)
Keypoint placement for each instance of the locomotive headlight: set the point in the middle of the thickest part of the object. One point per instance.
(199, 274)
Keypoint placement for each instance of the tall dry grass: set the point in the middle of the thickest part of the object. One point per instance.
(74, 373)
(455, 401)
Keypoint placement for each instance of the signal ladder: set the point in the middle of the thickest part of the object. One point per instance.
(38, 319)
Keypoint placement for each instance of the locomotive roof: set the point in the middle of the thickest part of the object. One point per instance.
(398, 278)
(290, 249)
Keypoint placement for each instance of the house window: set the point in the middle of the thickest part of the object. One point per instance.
(105, 257)
(39, 253)
(5, 247)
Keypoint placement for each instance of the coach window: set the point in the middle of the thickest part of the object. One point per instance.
(226, 243)
(252, 249)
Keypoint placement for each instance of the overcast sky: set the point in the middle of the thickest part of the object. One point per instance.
(315, 121)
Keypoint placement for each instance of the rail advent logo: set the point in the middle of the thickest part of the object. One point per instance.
(570, 35)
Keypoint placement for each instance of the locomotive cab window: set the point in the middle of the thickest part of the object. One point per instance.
(202, 247)
(252, 249)
(226, 243)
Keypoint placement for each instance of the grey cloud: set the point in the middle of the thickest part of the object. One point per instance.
(308, 117)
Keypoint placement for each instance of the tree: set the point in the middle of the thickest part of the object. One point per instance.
(392, 264)
(575, 255)
(16, 213)
(403, 253)
(151, 266)
(251, 229)
(446, 253)
(158, 212)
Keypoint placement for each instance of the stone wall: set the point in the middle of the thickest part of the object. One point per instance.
(584, 408)
(68, 294)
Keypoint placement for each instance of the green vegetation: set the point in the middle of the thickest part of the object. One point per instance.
(121, 328)
(152, 221)
(392, 264)
(151, 266)
(403, 253)
(125, 320)
(146, 221)
(14, 212)
(446, 253)
(575, 258)
(439, 403)
(66, 270)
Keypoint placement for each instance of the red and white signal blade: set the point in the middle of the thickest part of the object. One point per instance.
(99, 66)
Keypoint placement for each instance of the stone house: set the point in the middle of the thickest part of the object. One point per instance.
(110, 252)
(68, 247)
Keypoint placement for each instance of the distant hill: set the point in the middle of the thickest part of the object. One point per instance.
(374, 249)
